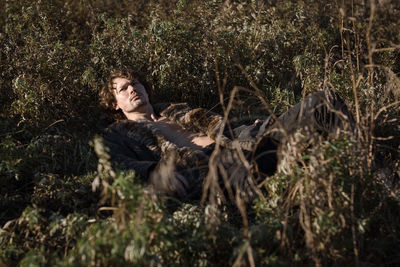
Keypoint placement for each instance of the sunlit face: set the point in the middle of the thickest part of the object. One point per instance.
(131, 96)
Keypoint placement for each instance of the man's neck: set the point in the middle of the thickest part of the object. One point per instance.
(147, 113)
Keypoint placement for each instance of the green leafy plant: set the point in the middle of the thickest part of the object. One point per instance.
(334, 201)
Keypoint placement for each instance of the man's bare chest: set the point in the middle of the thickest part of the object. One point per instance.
(181, 137)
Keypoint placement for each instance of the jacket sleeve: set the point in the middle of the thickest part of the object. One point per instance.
(198, 120)
(129, 154)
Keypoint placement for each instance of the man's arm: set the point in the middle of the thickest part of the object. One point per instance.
(129, 154)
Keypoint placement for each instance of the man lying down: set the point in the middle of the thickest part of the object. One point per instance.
(170, 145)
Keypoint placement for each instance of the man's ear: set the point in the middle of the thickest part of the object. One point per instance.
(115, 106)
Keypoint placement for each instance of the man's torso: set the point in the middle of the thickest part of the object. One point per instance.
(180, 136)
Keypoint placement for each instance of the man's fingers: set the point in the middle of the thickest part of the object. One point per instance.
(182, 179)
(180, 184)
(170, 183)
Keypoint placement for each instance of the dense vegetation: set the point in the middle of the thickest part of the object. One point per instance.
(335, 201)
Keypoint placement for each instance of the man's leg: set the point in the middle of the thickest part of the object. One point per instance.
(323, 111)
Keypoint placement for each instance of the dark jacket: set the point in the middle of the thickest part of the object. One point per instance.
(140, 147)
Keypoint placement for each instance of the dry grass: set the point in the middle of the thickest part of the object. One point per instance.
(333, 200)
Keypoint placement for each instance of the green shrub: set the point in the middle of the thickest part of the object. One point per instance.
(335, 201)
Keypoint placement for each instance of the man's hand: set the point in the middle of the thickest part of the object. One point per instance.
(179, 184)
(166, 180)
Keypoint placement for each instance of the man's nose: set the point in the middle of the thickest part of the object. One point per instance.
(131, 89)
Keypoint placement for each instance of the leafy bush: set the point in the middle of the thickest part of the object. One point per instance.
(335, 201)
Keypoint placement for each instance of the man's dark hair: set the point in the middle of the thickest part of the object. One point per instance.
(107, 97)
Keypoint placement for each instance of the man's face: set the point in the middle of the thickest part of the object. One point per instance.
(131, 96)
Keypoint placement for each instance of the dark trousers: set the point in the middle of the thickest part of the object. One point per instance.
(323, 112)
